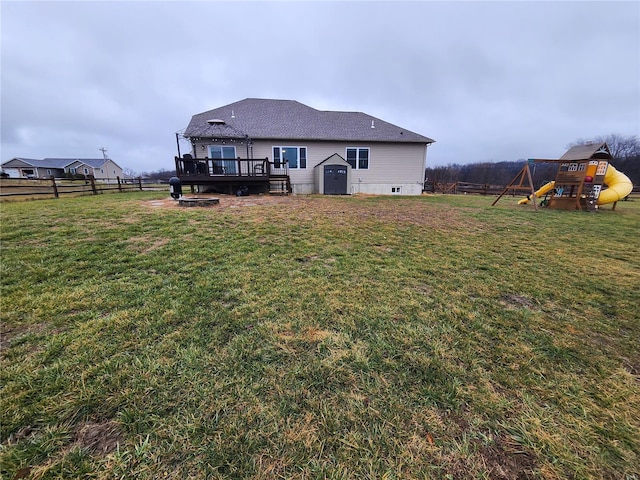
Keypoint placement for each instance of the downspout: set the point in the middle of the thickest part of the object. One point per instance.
(424, 167)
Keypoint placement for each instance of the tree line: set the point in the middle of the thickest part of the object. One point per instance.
(624, 150)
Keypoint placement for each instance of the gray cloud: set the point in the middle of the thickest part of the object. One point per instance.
(487, 80)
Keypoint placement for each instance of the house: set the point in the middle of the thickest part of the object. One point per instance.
(103, 169)
(308, 150)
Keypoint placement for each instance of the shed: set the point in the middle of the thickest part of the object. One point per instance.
(333, 176)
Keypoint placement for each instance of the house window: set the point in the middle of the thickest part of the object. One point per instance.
(396, 190)
(358, 158)
(295, 157)
(223, 166)
(48, 172)
(222, 151)
(102, 170)
(72, 170)
(86, 171)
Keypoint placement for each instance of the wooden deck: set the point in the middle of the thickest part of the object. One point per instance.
(229, 175)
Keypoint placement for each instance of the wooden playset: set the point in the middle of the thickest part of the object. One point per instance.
(582, 172)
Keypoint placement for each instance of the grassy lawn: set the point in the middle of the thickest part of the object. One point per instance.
(319, 337)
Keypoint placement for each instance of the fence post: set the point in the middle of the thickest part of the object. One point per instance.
(119, 185)
(140, 183)
(93, 184)
(55, 187)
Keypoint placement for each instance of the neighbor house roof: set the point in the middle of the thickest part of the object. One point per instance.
(32, 162)
(91, 162)
(25, 160)
(587, 151)
(290, 120)
(61, 162)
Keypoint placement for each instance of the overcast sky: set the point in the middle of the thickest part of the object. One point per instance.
(489, 81)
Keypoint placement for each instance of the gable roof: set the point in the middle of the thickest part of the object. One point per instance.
(290, 120)
(91, 162)
(587, 151)
(16, 161)
(61, 163)
(333, 158)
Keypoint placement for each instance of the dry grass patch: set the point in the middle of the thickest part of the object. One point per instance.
(98, 438)
(146, 244)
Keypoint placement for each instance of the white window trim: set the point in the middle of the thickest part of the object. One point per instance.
(287, 147)
(357, 167)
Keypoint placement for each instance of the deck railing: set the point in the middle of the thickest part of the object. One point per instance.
(222, 167)
(280, 169)
(258, 168)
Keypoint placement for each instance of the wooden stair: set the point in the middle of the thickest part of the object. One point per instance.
(280, 185)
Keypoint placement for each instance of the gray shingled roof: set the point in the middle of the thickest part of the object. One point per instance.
(291, 120)
(28, 161)
(63, 162)
(45, 163)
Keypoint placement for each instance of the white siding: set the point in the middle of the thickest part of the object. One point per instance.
(390, 165)
(109, 172)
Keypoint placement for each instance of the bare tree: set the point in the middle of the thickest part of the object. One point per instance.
(621, 147)
(128, 172)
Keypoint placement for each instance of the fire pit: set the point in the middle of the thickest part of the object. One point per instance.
(198, 202)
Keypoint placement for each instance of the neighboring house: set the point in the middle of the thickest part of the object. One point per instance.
(32, 168)
(102, 169)
(318, 151)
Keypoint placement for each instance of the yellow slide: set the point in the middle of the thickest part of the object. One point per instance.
(619, 186)
(541, 191)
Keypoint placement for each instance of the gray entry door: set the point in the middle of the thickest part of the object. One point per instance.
(335, 180)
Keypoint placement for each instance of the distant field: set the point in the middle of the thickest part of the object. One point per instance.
(318, 337)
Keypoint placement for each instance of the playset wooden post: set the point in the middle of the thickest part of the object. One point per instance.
(525, 174)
